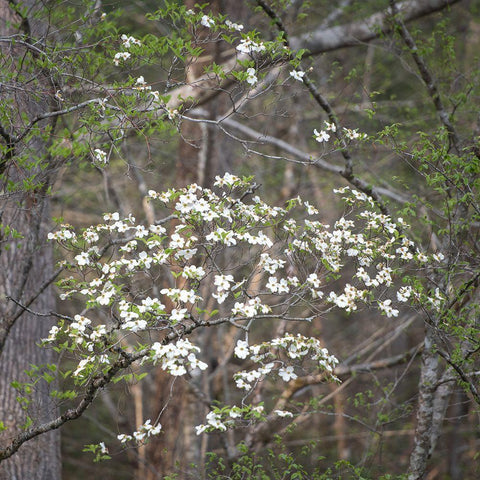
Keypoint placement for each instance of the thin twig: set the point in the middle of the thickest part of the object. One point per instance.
(426, 75)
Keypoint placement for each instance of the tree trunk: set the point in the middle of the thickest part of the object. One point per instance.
(40, 457)
(423, 434)
(25, 262)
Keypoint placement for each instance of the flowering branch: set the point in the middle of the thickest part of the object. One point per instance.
(212, 231)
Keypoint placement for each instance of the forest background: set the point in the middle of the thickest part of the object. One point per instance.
(366, 324)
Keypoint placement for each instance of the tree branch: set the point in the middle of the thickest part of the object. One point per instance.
(426, 75)
(306, 158)
(97, 383)
(58, 113)
(364, 31)
(322, 40)
(461, 374)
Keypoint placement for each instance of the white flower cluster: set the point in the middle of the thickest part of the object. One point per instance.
(249, 46)
(145, 431)
(228, 180)
(269, 355)
(134, 316)
(119, 56)
(82, 259)
(436, 299)
(223, 284)
(283, 413)
(386, 307)
(193, 272)
(207, 21)
(141, 85)
(404, 293)
(298, 348)
(228, 416)
(209, 222)
(100, 157)
(291, 254)
(176, 358)
(252, 76)
(297, 75)
(251, 308)
(269, 264)
(348, 299)
(323, 135)
(81, 332)
(353, 196)
(278, 286)
(214, 422)
(353, 134)
(90, 362)
(127, 43)
(378, 220)
(64, 234)
(181, 295)
(221, 235)
(234, 26)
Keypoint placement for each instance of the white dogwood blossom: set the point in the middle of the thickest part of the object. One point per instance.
(207, 21)
(234, 26)
(252, 76)
(119, 56)
(128, 41)
(321, 136)
(297, 75)
(250, 46)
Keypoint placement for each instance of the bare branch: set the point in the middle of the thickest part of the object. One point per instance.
(306, 158)
(58, 113)
(426, 75)
(366, 30)
(461, 374)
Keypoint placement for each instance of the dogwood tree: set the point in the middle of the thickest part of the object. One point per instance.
(222, 294)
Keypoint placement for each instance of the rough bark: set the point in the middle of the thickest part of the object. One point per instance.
(39, 458)
(429, 377)
(25, 266)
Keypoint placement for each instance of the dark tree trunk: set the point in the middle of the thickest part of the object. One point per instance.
(25, 262)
